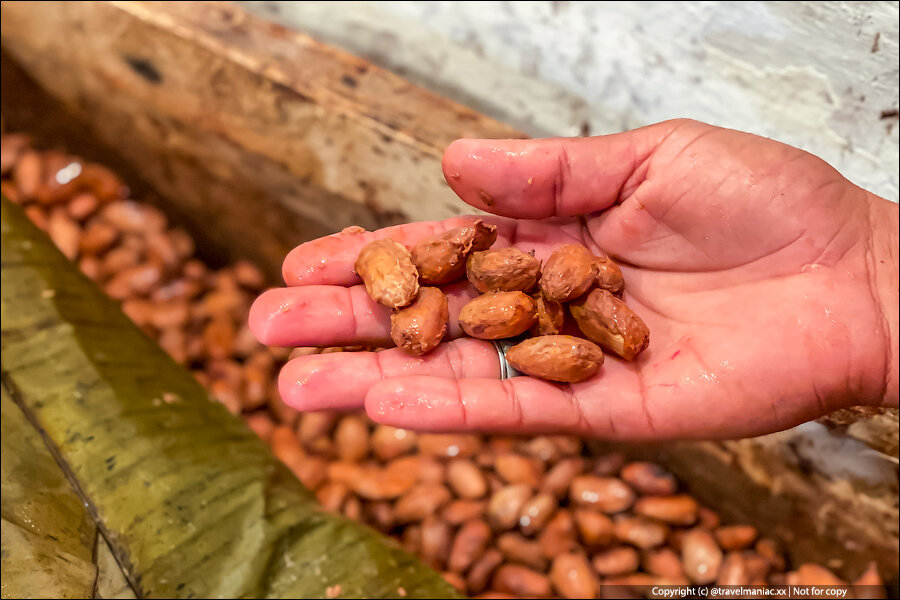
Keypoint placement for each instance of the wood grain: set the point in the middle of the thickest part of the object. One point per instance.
(248, 124)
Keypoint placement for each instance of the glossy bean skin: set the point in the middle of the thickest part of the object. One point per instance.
(498, 315)
(418, 328)
(562, 358)
(388, 273)
(609, 322)
(441, 258)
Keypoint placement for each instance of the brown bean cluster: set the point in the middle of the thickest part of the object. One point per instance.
(499, 516)
(518, 295)
(197, 314)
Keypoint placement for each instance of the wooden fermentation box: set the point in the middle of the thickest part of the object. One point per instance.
(257, 138)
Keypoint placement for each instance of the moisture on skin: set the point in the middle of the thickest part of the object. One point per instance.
(388, 272)
(569, 272)
(442, 258)
(611, 323)
(551, 316)
(562, 358)
(503, 270)
(420, 327)
(498, 315)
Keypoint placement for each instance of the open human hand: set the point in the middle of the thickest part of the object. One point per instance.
(768, 281)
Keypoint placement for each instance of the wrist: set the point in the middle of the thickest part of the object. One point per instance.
(884, 279)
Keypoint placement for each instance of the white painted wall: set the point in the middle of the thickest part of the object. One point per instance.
(807, 73)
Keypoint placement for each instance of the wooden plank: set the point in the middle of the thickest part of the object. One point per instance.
(876, 427)
(259, 138)
(248, 124)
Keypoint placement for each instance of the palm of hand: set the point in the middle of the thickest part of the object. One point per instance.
(752, 289)
(755, 294)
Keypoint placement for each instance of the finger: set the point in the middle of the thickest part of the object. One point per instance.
(608, 404)
(516, 405)
(342, 379)
(669, 393)
(329, 315)
(329, 260)
(613, 404)
(536, 179)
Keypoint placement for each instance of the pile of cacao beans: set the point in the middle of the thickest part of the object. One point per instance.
(518, 294)
(499, 516)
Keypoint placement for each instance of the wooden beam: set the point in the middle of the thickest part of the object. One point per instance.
(877, 428)
(250, 125)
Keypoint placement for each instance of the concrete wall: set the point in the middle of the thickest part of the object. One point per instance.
(813, 74)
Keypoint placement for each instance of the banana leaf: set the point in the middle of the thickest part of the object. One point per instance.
(47, 535)
(190, 502)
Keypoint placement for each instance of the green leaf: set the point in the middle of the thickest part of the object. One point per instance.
(192, 503)
(47, 535)
(111, 582)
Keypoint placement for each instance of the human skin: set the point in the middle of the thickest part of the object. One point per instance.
(769, 283)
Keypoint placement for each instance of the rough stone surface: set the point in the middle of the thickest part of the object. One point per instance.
(812, 74)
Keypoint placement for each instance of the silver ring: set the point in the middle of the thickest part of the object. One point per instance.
(506, 369)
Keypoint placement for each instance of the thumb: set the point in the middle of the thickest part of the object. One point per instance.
(536, 179)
